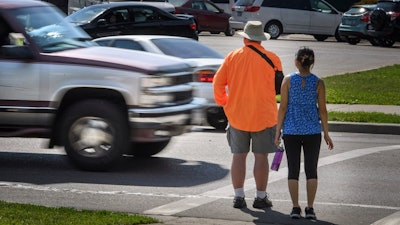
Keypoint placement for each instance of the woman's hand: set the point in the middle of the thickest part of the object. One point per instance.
(328, 141)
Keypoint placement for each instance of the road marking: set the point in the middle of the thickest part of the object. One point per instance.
(210, 196)
(192, 201)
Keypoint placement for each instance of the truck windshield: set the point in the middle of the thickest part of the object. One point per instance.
(46, 26)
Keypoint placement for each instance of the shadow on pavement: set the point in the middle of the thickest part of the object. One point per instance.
(155, 171)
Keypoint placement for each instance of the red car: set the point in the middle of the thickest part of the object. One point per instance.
(207, 15)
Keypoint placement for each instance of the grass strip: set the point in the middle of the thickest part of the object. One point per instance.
(363, 117)
(27, 214)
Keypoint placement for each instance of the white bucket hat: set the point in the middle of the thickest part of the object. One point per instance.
(253, 30)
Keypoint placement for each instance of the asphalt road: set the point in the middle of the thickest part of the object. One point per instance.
(358, 181)
(331, 57)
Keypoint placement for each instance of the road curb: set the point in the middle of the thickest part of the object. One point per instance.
(371, 128)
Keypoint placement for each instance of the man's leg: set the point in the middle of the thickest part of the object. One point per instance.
(261, 171)
(238, 170)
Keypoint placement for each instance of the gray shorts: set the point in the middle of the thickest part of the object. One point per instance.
(261, 141)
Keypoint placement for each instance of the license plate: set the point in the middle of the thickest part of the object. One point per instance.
(239, 13)
(349, 22)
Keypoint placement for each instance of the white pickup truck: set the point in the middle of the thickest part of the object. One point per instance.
(98, 102)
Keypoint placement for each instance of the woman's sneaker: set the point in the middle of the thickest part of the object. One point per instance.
(239, 202)
(296, 213)
(310, 214)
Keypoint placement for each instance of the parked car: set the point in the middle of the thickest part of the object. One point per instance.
(97, 102)
(122, 18)
(205, 60)
(314, 17)
(207, 15)
(354, 23)
(385, 22)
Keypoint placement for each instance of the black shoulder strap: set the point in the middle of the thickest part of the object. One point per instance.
(262, 55)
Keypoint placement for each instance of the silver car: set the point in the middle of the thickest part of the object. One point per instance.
(205, 60)
(314, 17)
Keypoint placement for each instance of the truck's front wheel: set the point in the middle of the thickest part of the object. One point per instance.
(95, 134)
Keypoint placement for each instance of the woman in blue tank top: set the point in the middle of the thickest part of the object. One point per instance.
(301, 118)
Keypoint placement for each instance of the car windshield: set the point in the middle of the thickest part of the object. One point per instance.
(185, 48)
(48, 29)
(86, 15)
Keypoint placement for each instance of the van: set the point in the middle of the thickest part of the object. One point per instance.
(313, 17)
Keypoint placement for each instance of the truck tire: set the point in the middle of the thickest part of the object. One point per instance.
(95, 134)
(142, 149)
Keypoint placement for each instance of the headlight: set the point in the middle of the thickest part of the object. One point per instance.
(148, 82)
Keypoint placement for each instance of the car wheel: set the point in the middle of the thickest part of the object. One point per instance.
(338, 37)
(229, 31)
(274, 28)
(95, 134)
(374, 41)
(378, 19)
(147, 149)
(320, 37)
(386, 42)
(353, 41)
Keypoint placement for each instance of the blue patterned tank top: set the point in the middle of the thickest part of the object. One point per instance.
(302, 115)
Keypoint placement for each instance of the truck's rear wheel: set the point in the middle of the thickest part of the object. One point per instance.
(95, 134)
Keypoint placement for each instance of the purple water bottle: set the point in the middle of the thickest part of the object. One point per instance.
(276, 162)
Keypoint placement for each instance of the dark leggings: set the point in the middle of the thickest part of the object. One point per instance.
(311, 146)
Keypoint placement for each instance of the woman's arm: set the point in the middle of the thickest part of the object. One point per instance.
(323, 113)
(282, 108)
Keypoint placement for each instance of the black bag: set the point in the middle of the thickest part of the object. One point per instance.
(278, 74)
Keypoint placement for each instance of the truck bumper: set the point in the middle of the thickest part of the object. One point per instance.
(159, 124)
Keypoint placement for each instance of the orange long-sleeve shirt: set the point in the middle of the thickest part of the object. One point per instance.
(249, 103)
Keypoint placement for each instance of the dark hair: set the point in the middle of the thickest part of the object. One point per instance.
(305, 56)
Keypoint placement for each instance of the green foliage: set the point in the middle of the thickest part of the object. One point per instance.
(24, 214)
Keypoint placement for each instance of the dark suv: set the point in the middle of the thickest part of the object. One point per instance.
(385, 22)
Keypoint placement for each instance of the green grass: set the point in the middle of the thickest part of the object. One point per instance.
(26, 214)
(373, 87)
(364, 117)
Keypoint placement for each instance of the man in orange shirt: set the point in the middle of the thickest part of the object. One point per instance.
(245, 86)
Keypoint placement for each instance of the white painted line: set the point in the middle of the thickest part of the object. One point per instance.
(210, 196)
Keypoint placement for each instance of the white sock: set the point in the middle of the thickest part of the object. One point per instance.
(261, 194)
(239, 192)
